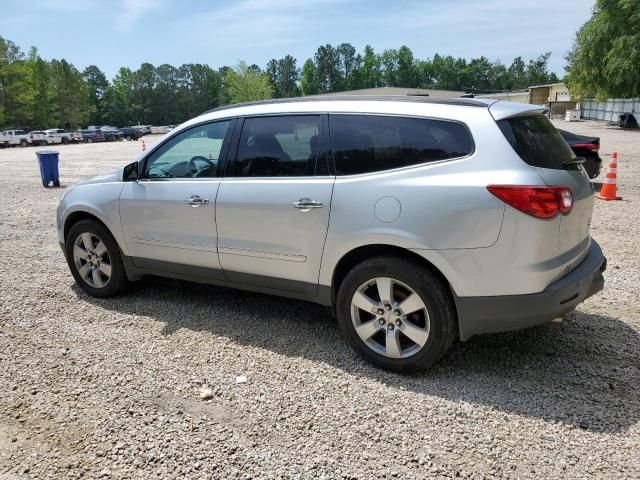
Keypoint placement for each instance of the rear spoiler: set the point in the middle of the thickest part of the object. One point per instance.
(502, 110)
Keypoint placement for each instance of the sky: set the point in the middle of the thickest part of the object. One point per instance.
(116, 33)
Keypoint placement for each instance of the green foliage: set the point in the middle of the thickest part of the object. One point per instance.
(605, 58)
(309, 84)
(283, 75)
(246, 84)
(42, 94)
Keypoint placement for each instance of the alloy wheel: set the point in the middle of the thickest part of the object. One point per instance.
(92, 260)
(390, 317)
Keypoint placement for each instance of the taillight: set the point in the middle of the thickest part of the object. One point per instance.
(537, 201)
(594, 147)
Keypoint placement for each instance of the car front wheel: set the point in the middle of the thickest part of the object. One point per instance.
(396, 314)
(94, 259)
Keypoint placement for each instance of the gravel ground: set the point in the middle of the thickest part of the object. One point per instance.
(111, 388)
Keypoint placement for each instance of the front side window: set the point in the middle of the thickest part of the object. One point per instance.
(370, 143)
(194, 153)
(278, 146)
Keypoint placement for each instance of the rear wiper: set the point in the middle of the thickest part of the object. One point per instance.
(574, 161)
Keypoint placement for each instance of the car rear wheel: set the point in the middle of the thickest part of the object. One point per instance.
(396, 314)
(23, 143)
(94, 259)
(89, 140)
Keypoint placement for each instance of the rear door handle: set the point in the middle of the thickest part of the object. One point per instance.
(196, 201)
(306, 204)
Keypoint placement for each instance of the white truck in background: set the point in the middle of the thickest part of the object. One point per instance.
(40, 137)
(12, 138)
(65, 135)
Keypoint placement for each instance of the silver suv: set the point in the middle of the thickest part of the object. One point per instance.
(418, 221)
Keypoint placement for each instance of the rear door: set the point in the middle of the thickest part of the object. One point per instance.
(272, 209)
(540, 145)
(168, 216)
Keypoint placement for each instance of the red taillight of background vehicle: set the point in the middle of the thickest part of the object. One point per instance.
(537, 201)
(594, 147)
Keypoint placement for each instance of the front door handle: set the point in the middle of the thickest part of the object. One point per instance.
(306, 204)
(196, 201)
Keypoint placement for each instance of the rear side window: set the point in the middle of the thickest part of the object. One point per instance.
(278, 146)
(370, 143)
(536, 141)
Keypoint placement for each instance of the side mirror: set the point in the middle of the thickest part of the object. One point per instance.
(130, 172)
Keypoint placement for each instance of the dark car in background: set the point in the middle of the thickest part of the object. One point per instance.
(91, 135)
(132, 133)
(587, 148)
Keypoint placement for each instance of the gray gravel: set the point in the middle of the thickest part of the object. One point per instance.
(112, 388)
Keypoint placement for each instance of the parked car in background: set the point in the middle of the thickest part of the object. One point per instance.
(419, 221)
(160, 130)
(91, 135)
(111, 134)
(66, 135)
(41, 137)
(12, 138)
(587, 148)
(146, 129)
(131, 133)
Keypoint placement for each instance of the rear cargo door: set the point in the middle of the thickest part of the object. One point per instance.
(540, 145)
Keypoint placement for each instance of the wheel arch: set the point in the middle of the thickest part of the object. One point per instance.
(364, 252)
(78, 215)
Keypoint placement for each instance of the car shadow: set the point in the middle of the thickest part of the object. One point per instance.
(584, 372)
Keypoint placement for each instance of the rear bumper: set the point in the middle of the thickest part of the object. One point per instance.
(478, 315)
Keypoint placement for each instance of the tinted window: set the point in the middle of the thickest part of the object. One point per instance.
(536, 141)
(193, 153)
(366, 143)
(278, 147)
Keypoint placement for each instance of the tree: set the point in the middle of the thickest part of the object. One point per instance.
(272, 72)
(16, 91)
(70, 102)
(538, 71)
(328, 73)
(371, 71)
(517, 74)
(288, 75)
(389, 62)
(283, 75)
(97, 85)
(407, 74)
(605, 58)
(348, 65)
(309, 84)
(245, 84)
(41, 110)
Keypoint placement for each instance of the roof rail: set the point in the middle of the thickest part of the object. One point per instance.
(464, 102)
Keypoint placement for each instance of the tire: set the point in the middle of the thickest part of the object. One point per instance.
(88, 235)
(65, 140)
(89, 140)
(23, 143)
(433, 325)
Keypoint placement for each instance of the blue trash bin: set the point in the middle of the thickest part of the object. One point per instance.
(48, 161)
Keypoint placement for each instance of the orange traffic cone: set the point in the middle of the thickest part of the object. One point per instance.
(144, 147)
(609, 188)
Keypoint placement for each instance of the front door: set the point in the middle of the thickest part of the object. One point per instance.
(273, 206)
(168, 216)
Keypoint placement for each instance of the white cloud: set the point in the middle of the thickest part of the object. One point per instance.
(133, 10)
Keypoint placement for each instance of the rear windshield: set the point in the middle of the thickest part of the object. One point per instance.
(536, 141)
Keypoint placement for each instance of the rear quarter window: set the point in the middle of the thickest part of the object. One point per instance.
(372, 143)
(536, 141)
